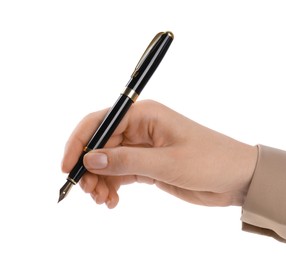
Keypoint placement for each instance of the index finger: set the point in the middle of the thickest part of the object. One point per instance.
(79, 138)
(134, 129)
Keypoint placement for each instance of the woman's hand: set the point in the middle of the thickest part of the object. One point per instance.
(156, 145)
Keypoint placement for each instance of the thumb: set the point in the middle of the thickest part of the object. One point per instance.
(149, 162)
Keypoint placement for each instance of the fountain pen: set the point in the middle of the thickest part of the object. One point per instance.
(145, 68)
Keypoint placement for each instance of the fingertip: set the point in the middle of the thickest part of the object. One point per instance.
(113, 197)
(112, 201)
(94, 196)
(109, 204)
(64, 164)
(72, 152)
(64, 167)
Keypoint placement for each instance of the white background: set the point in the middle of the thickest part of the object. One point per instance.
(60, 60)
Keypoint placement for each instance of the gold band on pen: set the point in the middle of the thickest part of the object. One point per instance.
(129, 92)
(71, 180)
(86, 149)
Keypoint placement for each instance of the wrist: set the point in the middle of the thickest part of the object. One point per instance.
(246, 170)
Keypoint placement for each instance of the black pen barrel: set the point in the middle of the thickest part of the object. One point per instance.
(150, 60)
(121, 106)
(103, 133)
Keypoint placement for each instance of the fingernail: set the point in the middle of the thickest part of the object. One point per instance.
(108, 203)
(94, 196)
(95, 161)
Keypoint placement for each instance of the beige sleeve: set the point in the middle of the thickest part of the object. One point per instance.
(265, 204)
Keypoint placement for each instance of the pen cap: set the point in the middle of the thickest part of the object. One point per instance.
(150, 61)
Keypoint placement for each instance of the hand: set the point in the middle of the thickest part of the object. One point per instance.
(156, 145)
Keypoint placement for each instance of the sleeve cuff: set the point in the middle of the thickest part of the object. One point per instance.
(265, 204)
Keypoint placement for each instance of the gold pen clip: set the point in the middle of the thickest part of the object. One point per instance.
(146, 53)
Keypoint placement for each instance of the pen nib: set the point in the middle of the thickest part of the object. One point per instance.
(64, 190)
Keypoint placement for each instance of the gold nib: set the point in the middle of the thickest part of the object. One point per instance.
(64, 190)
